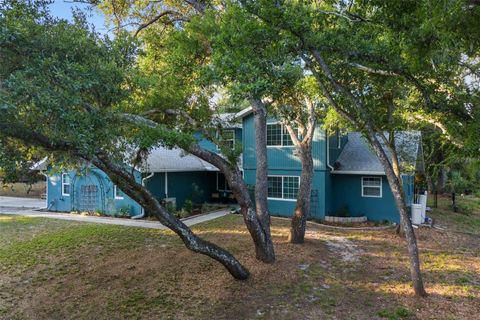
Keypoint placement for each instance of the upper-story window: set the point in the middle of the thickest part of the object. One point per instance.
(118, 194)
(277, 135)
(65, 184)
(372, 187)
(227, 137)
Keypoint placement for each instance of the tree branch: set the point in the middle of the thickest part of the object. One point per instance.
(156, 18)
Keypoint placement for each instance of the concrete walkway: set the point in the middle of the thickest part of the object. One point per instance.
(107, 220)
(17, 202)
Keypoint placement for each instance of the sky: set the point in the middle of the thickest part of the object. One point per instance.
(63, 9)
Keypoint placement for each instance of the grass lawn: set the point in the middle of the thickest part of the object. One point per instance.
(53, 269)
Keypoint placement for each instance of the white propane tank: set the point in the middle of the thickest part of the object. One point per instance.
(417, 217)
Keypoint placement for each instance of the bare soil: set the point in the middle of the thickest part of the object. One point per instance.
(86, 271)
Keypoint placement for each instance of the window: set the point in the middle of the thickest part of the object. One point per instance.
(222, 184)
(275, 187)
(283, 187)
(339, 140)
(65, 184)
(117, 193)
(290, 187)
(277, 135)
(372, 187)
(227, 137)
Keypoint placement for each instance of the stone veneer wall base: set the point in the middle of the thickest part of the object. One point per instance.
(346, 219)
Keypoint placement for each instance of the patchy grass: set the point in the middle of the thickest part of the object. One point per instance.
(71, 270)
(467, 219)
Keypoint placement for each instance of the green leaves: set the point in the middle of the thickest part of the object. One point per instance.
(62, 81)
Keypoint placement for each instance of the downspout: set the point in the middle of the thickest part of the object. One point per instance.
(328, 152)
(142, 212)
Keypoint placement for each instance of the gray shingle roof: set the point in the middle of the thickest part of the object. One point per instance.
(358, 157)
(40, 165)
(174, 160)
(227, 120)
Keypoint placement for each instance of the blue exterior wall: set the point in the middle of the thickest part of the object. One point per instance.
(209, 145)
(333, 191)
(197, 186)
(105, 200)
(281, 157)
(408, 188)
(285, 208)
(283, 162)
(347, 191)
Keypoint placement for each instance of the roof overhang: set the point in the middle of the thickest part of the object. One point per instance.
(213, 169)
(370, 173)
(40, 165)
(245, 112)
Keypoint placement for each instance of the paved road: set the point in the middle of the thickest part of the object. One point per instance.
(22, 203)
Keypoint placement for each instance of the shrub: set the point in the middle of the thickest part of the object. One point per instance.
(188, 206)
(343, 212)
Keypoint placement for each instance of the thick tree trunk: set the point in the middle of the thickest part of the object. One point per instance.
(143, 197)
(441, 180)
(261, 180)
(137, 192)
(261, 238)
(260, 232)
(398, 175)
(396, 188)
(302, 208)
(394, 183)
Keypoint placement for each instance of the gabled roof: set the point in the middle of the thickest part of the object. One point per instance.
(161, 159)
(357, 157)
(40, 165)
(245, 112)
(227, 120)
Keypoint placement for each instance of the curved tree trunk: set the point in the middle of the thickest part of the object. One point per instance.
(261, 180)
(137, 192)
(396, 187)
(259, 230)
(141, 195)
(262, 240)
(302, 208)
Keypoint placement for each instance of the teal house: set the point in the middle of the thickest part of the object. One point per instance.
(348, 179)
(171, 175)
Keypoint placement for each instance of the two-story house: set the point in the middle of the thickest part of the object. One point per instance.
(348, 177)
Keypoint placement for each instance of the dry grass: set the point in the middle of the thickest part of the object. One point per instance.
(67, 270)
(23, 190)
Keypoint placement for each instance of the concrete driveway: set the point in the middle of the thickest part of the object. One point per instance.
(22, 203)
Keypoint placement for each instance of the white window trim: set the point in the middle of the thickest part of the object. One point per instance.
(115, 194)
(65, 184)
(217, 135)
(281, 139)
(226, 184)
(381, 187)
(283, 199)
